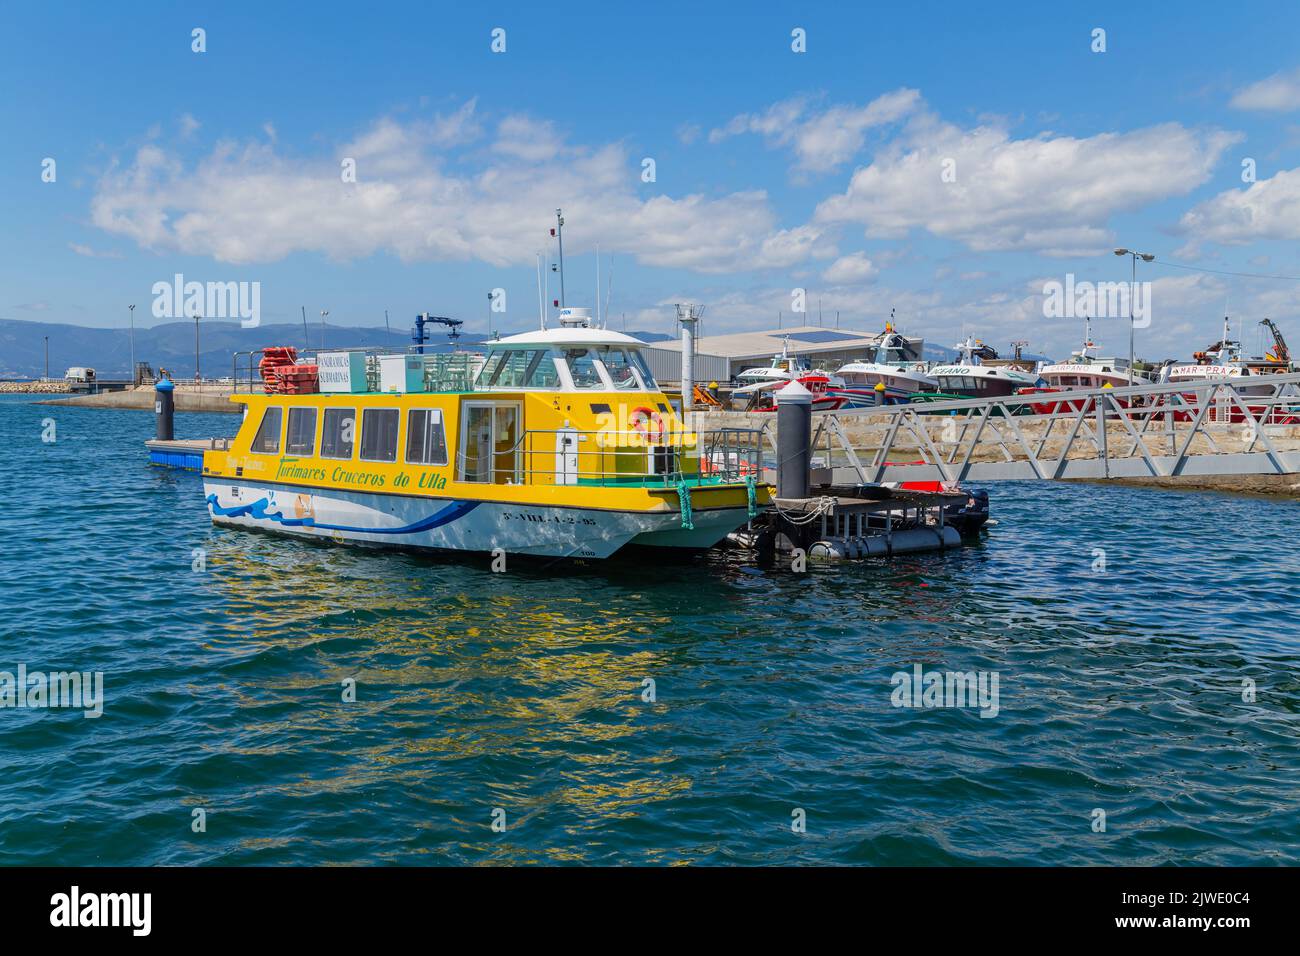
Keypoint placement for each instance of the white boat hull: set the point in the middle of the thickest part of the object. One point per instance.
(452, 524)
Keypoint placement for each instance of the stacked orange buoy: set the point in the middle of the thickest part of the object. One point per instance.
(282, 375)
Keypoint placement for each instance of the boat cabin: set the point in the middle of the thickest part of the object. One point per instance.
(570, 405)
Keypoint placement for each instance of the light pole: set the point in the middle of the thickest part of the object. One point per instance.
(1132, 290)
(323, 313)
(197, 376)
(132, 312)
(47, 358)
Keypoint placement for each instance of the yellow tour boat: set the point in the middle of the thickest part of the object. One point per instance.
(556, 443)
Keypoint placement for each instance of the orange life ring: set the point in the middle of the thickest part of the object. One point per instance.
(642, 418)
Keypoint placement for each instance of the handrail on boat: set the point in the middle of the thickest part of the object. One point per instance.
(627, 457)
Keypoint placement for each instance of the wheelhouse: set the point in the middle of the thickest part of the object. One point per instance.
(559, 360)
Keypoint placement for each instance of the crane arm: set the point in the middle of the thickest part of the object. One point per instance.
(1280, 350)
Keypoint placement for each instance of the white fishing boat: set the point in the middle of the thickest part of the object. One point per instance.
(972, 377)
(1085, 370)
(895, 362)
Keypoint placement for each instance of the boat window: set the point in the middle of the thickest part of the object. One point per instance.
(267, 439)
(337, 432)
(583, 368)
(511, 371)
(301, 439)
(541, 371)
(647, 378)
(379, 434)
(620, 369)
(426, 440)
(489, 368)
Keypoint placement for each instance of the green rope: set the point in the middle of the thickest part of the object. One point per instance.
(684, 497)
(753, 495)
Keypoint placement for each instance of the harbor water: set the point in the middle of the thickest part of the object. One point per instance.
(1144, 645)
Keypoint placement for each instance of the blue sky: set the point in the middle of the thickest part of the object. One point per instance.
(775, 170)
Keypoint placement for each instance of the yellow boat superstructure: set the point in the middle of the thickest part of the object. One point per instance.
(555, 443)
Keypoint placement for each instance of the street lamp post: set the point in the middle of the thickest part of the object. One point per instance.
(197, 377)
(323, 313)
(134, 383)
(47, 358)
(1132, 291)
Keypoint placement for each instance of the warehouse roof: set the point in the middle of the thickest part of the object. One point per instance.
(762, 345)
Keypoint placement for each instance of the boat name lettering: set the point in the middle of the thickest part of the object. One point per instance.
(291, 469)
(345, 477)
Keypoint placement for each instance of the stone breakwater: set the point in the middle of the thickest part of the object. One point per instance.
(34, 388)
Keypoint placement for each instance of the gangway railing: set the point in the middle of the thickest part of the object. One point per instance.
(1215, 427)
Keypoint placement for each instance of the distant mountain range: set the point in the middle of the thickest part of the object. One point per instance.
(171, 345)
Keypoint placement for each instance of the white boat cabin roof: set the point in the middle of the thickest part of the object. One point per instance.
(574, 336)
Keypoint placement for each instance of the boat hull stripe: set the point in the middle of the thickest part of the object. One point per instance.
(257, 509)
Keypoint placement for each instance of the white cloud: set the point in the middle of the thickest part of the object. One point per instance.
(189, 125)
(248, 203)
(84, 250)
(821, 140)
(1267, 209)
(1050, 194)
(527, 139)
(851, 268)
(688, 133)
(1277, 93)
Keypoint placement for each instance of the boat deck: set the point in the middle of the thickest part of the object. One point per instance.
(183, 453)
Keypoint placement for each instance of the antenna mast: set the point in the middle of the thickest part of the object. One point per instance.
(559, 235)
(541, 300)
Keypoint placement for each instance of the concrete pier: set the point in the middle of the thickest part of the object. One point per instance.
(188, 399)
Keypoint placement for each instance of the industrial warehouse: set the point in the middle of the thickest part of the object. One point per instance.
(722, 357)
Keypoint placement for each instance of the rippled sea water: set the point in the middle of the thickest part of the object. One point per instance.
(1119, 690)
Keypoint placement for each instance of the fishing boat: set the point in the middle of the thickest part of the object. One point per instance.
(1085, 370)
(756, 388)
(784, 368)
(1224, 361)
(895, 363)
(973, 375)
(761, 396)
(557, 443)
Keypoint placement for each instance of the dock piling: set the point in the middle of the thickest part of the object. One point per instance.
(793, 441)
(164, 407)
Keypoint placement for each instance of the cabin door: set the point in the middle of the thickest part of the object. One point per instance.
(566, 456)
(490, 451)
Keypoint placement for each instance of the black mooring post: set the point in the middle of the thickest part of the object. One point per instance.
(793, 441)
(164, 407)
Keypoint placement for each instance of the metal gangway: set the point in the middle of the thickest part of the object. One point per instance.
(1237, 426)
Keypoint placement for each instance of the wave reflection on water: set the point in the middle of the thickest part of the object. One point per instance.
(523, 691)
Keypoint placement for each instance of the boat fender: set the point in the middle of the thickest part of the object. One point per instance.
(827, 548)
